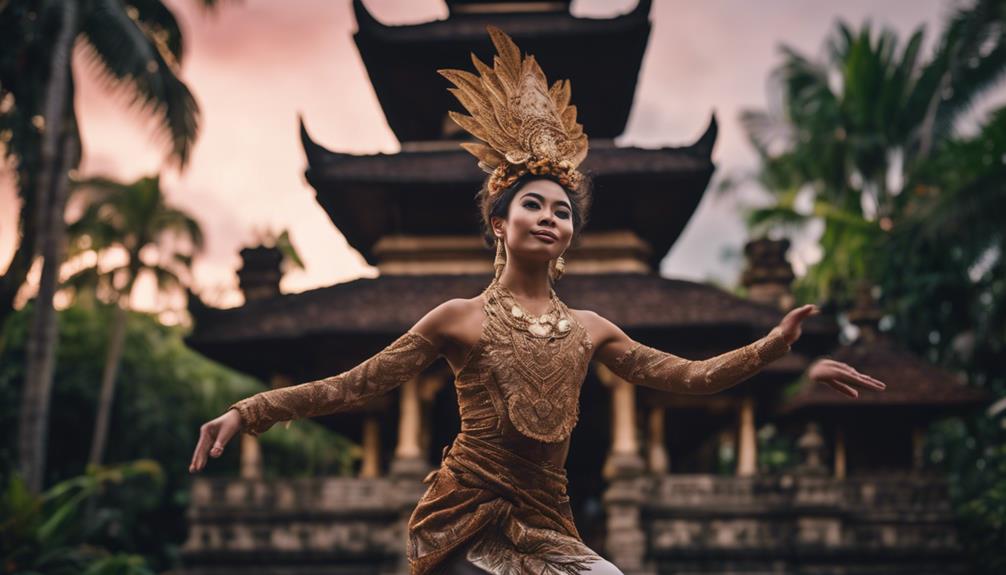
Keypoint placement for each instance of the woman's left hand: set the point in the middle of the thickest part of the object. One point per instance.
(842, 377)
(790, 325)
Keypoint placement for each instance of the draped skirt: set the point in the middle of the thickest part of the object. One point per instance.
(506, 513)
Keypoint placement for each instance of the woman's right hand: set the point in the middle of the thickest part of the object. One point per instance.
(213, 436)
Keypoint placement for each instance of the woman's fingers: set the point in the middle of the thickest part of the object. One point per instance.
(854, 377)
(223, 437)
(206, 437)
(842, 388)
(803, 312)
(203, 438)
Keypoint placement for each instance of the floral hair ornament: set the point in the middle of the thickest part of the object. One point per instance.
(527, 126)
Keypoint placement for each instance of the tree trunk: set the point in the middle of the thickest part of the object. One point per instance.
(58, 147)
(116, 339)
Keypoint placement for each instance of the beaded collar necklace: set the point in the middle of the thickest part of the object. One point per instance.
(553, 323)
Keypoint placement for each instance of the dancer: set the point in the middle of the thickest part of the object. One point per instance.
(498, 502)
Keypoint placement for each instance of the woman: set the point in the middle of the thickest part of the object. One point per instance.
(498, 502)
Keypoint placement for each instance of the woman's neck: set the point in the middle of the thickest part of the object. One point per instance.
(529, 283)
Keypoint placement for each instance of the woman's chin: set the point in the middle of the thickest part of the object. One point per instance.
(541, 255)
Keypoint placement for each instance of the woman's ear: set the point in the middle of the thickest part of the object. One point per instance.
(497, 225)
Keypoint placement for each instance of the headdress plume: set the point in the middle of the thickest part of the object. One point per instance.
(526, 126)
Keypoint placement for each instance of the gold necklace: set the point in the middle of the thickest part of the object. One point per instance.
(551, 322)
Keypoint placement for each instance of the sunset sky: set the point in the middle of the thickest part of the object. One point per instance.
(255, 65)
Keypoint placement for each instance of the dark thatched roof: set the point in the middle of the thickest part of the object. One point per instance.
(600, 56)
(653, 192)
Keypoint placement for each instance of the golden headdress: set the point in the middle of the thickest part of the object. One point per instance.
(527, 126)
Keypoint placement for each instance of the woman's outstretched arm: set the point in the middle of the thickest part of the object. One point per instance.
(400, 361)
(644, 365)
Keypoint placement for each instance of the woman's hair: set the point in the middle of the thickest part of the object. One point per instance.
(498, 205)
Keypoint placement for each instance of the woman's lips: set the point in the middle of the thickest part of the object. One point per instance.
(544, 237)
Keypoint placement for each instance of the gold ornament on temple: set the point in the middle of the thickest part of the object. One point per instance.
(527, 126)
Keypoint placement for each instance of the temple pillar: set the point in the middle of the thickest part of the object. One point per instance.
(408, 466)
(408, 458)
(251, 457)
(251, 452)
(624, 444)
(627, 484)
(657, 458)
(747, 440)
(371, 466)
(840, 471)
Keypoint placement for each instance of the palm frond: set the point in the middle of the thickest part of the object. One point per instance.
(171, 220)
(159, 25)
(976, 58)
(130, 61)
(166, 279)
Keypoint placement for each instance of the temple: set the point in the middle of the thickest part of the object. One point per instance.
(658, 482)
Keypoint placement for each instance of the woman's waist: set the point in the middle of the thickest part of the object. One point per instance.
(488, 456)
(507, 438)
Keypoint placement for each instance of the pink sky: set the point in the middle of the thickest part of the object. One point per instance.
(256, 65)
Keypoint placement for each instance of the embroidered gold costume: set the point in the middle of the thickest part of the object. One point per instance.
(651, 367)
(500, 494)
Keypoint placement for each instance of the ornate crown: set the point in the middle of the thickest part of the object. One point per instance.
(527, 127)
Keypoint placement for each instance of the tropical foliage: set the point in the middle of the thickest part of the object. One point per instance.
(869, 145)
(158, 369)
(153, 239)
(43, 533)
(136, 49)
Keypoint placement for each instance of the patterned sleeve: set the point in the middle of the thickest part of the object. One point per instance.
(644, 365)
(402, 360)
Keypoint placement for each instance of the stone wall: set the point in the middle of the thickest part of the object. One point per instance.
(328, 525)
(796, 524)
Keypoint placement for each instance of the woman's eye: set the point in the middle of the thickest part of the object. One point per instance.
(563, 215)
(530, 204)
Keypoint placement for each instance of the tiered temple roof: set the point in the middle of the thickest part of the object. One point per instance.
(652, 192)
(600, 56)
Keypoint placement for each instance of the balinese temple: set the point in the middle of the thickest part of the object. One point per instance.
(659, 483)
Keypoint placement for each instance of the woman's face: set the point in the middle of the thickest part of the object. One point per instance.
(539, 222)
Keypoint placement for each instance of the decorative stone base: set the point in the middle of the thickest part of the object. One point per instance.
(409, 468)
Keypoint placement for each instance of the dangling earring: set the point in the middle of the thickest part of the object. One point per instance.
(556, 268)
(500, 262)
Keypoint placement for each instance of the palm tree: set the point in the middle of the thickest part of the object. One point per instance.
(852, 131)
(132, 219)
(875, 127)
(137, 47)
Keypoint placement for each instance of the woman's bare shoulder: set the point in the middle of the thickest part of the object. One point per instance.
(446, 319)
(609, 339)
(601, 329)
(459, 308)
